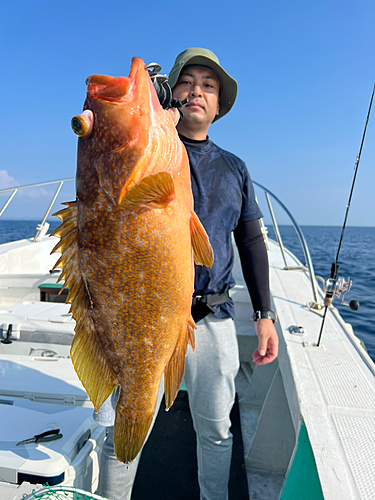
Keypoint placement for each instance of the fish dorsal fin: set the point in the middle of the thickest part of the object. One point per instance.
(202, 250)
(87, 353)
(175, 369)
(154, 191)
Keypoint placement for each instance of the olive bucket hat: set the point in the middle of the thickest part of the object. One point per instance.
(204, 57)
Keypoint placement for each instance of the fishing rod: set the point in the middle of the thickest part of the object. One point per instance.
(335, 286)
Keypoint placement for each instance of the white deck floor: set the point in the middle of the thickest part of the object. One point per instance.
(331, 387)
(335, 386)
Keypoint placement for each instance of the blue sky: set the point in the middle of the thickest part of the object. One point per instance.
(305, 71)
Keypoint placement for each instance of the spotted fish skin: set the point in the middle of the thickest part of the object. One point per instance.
(128, 245)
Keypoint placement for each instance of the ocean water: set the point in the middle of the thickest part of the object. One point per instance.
(356, 261)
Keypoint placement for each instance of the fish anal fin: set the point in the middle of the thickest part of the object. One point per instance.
(175, 369)
(154, 191)
(202, 250)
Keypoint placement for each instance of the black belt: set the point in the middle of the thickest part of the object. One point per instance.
(212, 299)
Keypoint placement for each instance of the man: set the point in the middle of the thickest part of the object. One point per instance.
(224, 202)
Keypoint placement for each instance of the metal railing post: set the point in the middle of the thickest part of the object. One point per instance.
(8, 201)
(302, 242)
(264, 230)
(14, 190)
(276, 229)
(48, 211)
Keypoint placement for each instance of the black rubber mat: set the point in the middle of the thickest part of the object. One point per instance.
(168, 466)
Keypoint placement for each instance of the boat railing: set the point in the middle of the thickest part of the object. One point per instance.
(309, 266)
(308, 262)
(13, 191)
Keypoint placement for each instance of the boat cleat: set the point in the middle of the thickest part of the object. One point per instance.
(296, 330)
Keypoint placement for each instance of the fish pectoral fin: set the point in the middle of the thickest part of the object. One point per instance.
(202, 250)
(175, 369)
(154, 191)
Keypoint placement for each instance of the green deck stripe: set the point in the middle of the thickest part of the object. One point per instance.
(50, 285)
(303, 482)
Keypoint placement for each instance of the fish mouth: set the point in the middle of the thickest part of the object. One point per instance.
(108, 88)
(113, 89)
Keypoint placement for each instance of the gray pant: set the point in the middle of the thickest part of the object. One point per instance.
(115, 478)
(209, 377)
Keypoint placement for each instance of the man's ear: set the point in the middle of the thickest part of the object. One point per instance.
(218, 109)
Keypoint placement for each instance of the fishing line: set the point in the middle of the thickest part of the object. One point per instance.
(335, 286)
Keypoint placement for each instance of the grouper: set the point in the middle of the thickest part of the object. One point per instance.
(128, 244)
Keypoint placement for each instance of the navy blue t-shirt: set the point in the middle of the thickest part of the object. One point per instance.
(223, 197)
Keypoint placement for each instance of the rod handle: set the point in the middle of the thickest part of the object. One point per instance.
(328, 301)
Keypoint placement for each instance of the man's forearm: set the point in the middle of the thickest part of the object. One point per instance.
(254, 262)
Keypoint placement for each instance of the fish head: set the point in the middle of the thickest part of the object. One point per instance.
(113, 132)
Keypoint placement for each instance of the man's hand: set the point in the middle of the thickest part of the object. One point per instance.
(268, 342)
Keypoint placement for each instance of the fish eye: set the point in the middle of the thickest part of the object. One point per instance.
(82, 124)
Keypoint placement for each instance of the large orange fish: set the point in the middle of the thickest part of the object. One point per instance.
(128, 243)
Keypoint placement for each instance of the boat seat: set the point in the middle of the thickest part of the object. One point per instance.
(51, 292)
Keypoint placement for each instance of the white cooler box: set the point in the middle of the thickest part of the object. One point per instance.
(39, 394)
(45, 325)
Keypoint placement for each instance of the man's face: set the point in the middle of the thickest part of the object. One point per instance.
(201, 87)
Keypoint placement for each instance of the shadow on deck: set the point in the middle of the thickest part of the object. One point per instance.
(168, 466)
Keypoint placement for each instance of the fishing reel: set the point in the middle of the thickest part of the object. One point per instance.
(337, 287)
(161, 85)
(163, 89)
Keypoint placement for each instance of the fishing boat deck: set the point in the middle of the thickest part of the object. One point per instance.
(307, 419)
(168, 465)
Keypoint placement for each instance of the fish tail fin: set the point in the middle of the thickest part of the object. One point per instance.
(130, 432)
(87, 353)
(175, 369)
(202, 251)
